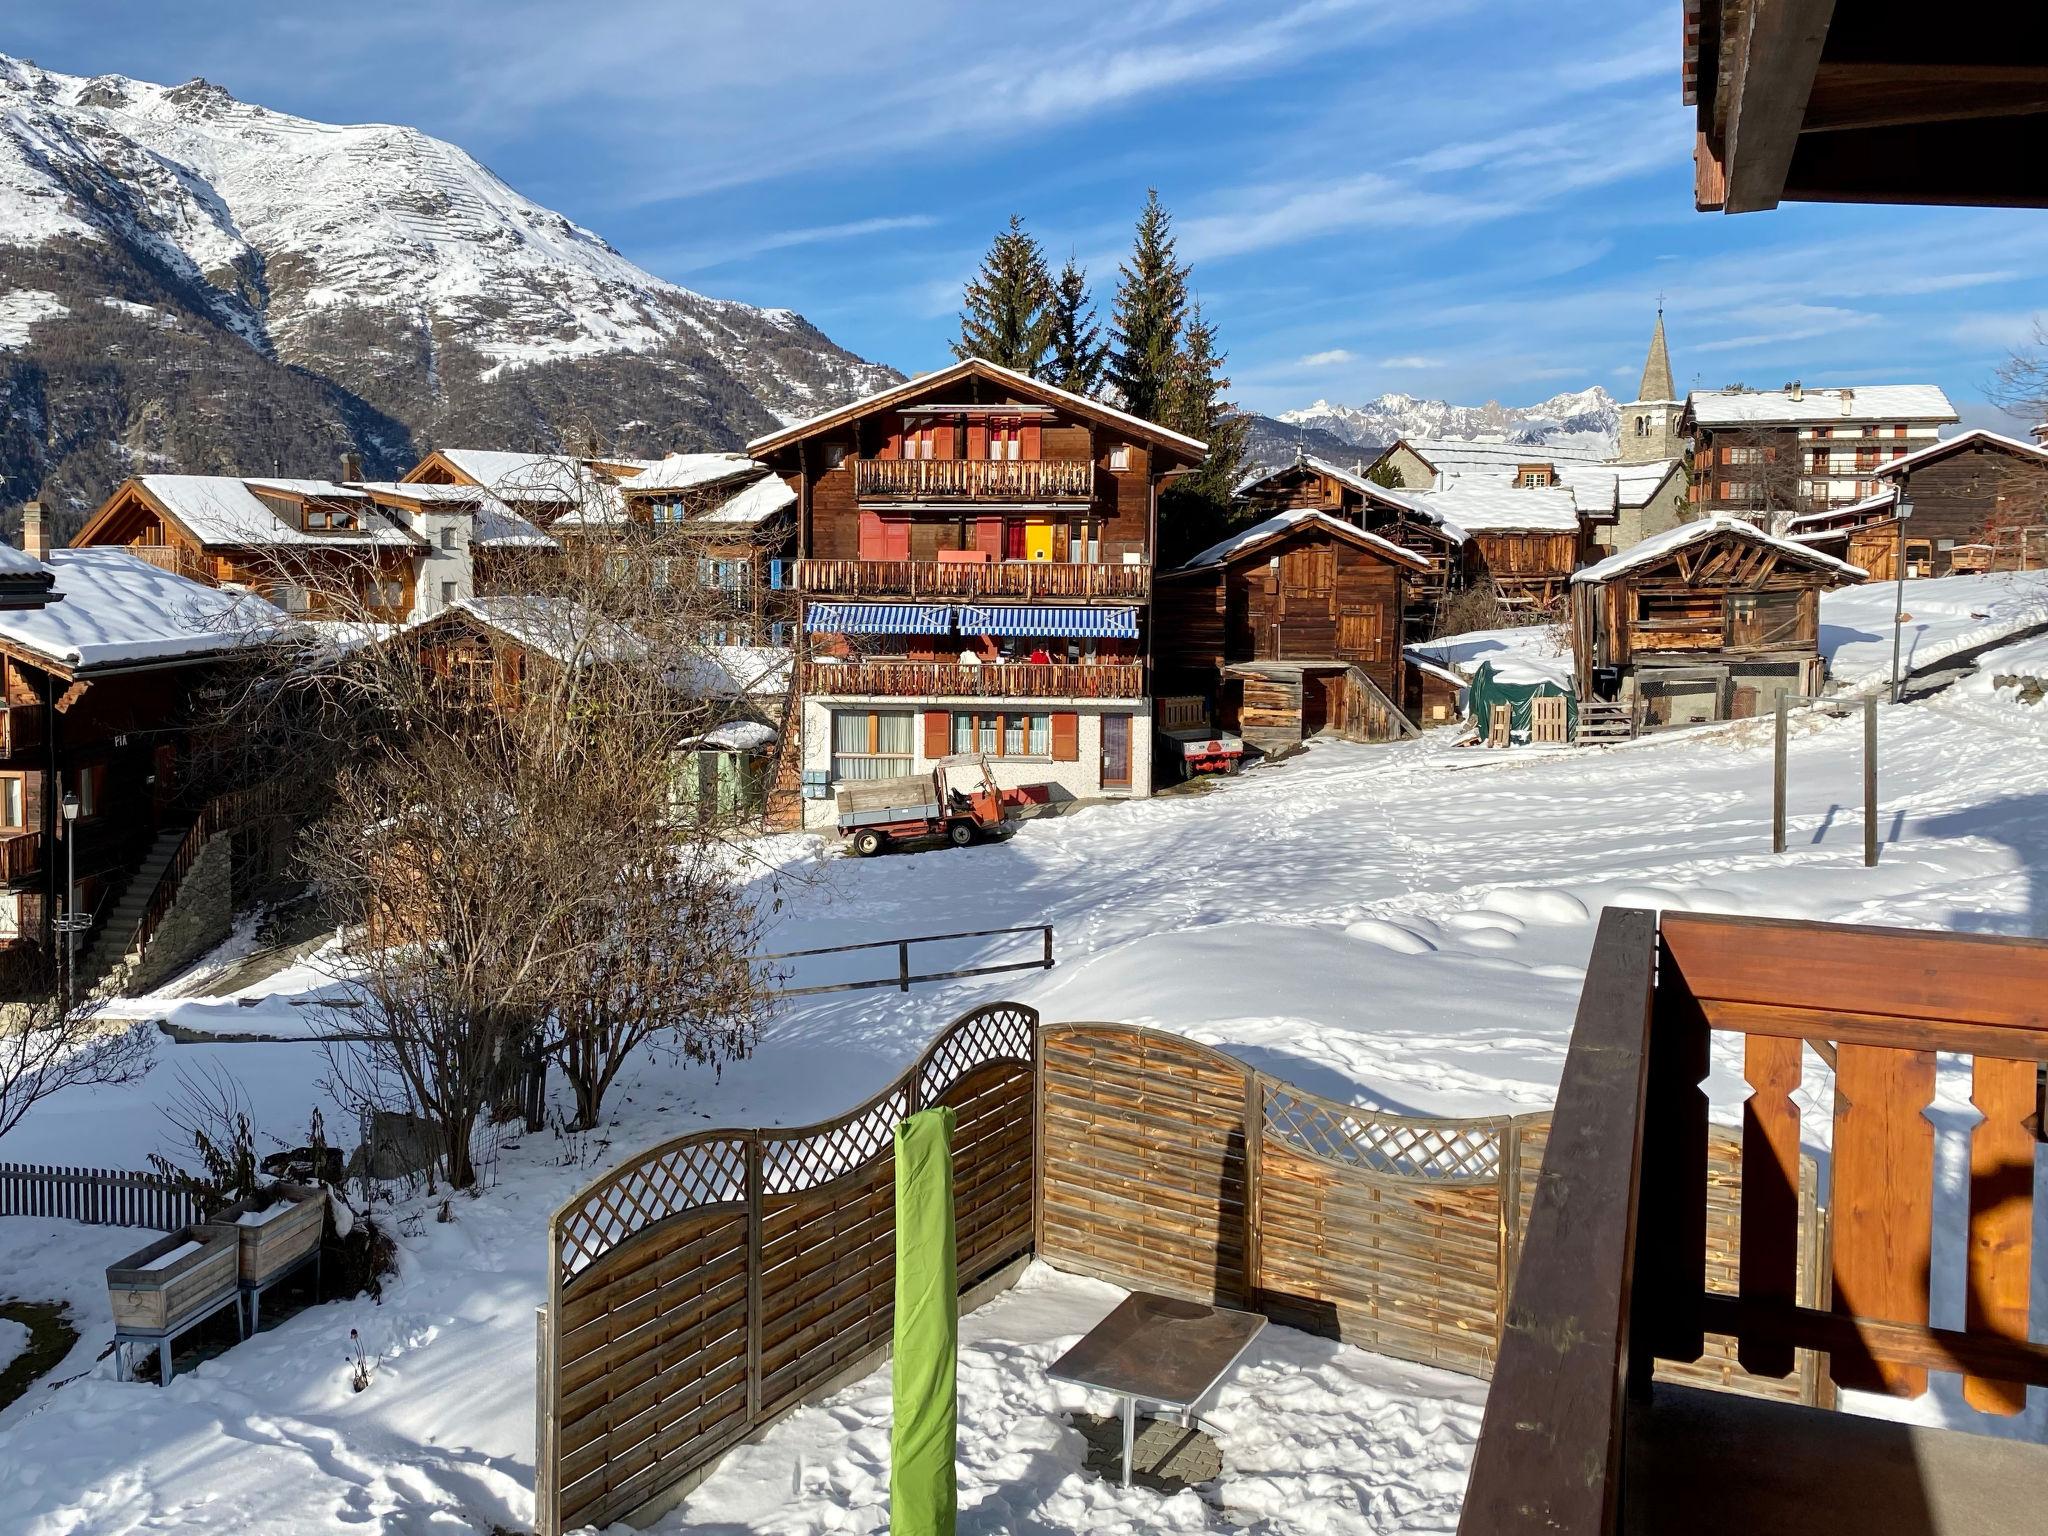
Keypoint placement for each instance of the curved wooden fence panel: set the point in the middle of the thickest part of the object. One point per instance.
(714, 1281)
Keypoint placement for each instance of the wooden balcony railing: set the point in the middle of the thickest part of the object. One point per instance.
(1027, 580)
(21, 855)
(960, 680)
(996, 480)
(175, 558)
(21, 728)
(1613, 1270)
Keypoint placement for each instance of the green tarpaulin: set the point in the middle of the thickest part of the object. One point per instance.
(1515, 686)
(922, 1491)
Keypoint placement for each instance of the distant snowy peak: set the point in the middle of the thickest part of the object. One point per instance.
(1581, 418)
(285, 222)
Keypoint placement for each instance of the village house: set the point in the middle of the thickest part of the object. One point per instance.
(1867, 534)
(735, 523)
(1526, 537)
(1979, 500)
(1769, 455)
(975, 573)
(1314, 484)
(315, 548)
(541, 486)
(95, 754)
(1711, 620)
(1291, 629)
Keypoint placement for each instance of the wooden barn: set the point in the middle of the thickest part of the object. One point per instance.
(1980, 503)
(1867, 534)
(1293, 629)
(1526, 538)
(1707, 621)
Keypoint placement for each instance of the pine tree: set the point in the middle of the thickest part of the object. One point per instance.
(1006, 316)
(1197, 508)
(1078, 355)
(1151, 299)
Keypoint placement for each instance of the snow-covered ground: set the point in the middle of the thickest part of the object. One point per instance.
(14, 1341)
(1405, 926)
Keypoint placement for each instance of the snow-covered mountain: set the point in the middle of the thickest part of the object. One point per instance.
(410, 294)
(1586, 418)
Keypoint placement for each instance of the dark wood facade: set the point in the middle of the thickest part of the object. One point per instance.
(1708, 627)
(1314, 590)
(1980, 502)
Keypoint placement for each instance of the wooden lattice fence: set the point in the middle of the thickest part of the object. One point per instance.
(717, 1280)
(102, 1197)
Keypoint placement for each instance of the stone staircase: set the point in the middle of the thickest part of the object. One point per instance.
(109, 945)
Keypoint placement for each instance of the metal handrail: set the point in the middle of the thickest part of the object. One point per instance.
(903, 978)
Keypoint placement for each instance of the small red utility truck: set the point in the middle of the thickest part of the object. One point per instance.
(957, 800)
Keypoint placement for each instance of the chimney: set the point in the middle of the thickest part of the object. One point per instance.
(2039, 432)
(351, 468)
(1848, 401)
(1796, 390)
(35, 532)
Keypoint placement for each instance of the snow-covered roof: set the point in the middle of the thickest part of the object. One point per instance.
(1451, 455)
(532, 476)
(118, 610)
(1866, 402)
(756, 504)
(742, 671)
(558, 627)
(1976, 437)
(1283, 523)
(1491, 506)
(220, 510)
(1351, 478)
(911, 388)
(1658, 545)
(17, 563)
(737, 736)
(1595, 486)
(687, 471)
(1882, 501)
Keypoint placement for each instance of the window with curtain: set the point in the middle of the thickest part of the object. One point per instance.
(13, 804)
(1002, 735)
(872, 744)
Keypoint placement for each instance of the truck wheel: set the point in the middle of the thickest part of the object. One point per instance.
(960, 834)
(867, 844)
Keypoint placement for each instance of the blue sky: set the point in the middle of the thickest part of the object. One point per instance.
(1452, 198)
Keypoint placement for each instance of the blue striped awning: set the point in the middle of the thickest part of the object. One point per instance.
(879, 618)
(1052, 623)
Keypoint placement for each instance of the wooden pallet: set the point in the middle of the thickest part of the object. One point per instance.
(1603, 722)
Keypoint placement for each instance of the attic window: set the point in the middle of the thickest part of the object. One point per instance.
(1120, 456)
(329, 519)
(835, 455)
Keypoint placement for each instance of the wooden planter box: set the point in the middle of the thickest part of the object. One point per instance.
(294, 1215)
(152, 1295)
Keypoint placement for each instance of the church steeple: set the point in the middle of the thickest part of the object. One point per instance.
(1656, 383)
(1649, 423)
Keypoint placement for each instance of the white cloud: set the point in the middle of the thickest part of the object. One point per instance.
(785, 239)
(1326, 359)
(1411, 362)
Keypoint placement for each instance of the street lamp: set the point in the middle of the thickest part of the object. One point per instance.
(69, 804)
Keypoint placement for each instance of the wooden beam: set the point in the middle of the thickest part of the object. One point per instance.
(1773, 68)
(1907, 1344)
(1851, 94)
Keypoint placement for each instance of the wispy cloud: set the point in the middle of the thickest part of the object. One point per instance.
(788, 239)
(1411, 361)
(1329, 358)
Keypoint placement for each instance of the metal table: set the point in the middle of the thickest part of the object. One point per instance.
(1158, 1349)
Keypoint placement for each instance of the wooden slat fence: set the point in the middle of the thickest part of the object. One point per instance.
(717, 1280)
(101, 1197)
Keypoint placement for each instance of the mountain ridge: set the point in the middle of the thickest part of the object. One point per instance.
(188, 281)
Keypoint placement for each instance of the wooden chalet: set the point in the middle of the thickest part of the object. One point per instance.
(1979, 503)
(312, 547)
(1773, 454)
(542, 487)
(1624, 1279)
(95, 693)
(1526, 539)
(735, 522)
(1872, 102)
(974, 565)
(1314, 484)
(1712, 620)
(1867, 534)
(1291, 629)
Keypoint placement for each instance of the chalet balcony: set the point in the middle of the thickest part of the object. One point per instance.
(21, 728)
(1014, 481)
(1644, 1337)
(175, 558)
(21, 857)
(963, 680)
(1023, 580)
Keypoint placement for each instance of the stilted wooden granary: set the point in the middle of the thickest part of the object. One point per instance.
(1292, 628)
(1709, 621)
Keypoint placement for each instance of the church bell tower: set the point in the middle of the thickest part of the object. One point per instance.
(1649, 423)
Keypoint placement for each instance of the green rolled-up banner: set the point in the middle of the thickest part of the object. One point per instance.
(923, 1493)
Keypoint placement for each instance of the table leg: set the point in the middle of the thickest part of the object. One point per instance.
(163, 1361)
(1130, 1435)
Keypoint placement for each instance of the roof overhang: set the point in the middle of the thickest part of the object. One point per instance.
(1866, 102)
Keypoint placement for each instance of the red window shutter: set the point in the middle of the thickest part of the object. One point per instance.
(896, 538)
(1066, 737)
(943, 432)
(977, 439)
(892, 445)
(938, 733)
(1031, 441)
(988, 536)
(871, 543)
